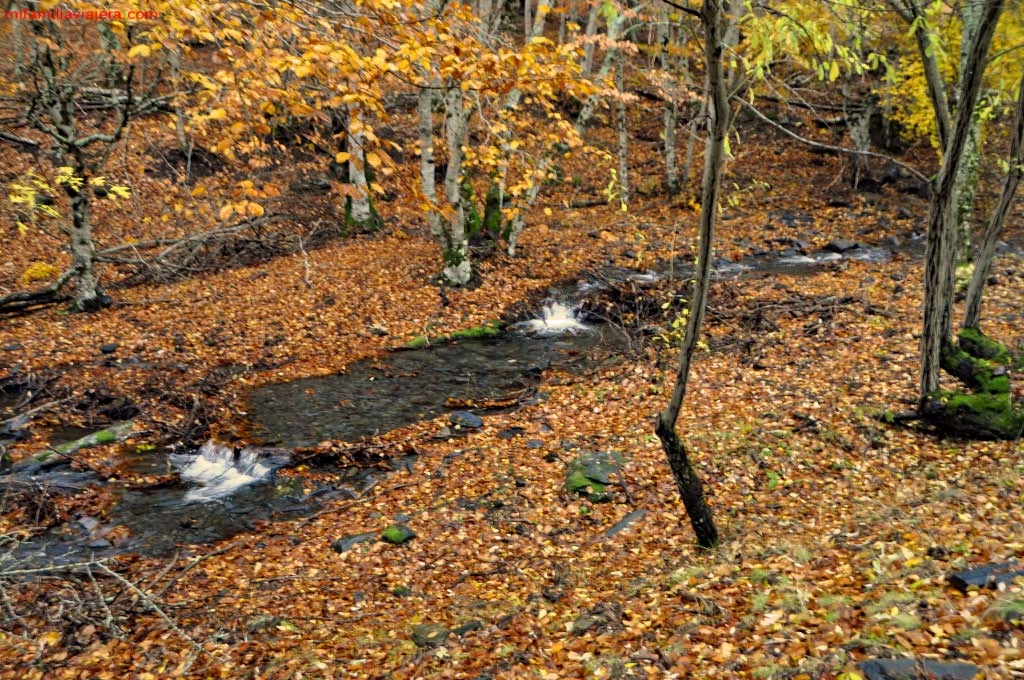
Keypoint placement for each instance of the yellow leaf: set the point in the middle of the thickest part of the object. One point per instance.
(342, 157)
(373, 159)
(139, 51)
(218, 114)
(50, 638)
(254, 210)
(227, 211)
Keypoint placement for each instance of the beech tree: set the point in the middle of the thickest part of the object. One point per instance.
(79, 86)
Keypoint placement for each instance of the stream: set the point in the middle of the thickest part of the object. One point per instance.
(222, 491)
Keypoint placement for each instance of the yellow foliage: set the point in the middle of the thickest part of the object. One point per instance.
(38, 271)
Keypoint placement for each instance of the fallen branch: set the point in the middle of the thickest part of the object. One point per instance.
(832, 148)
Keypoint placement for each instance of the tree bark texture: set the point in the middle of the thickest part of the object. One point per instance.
(940, 251)
(688, 482)
(983, 259)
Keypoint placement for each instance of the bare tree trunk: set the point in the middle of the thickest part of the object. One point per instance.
(967, 178)
(87, 296)
(455, 243)
(689, 484)
(983, 261)
(589, 33)
(519, 221)
(428, 163)
(359, 210)
(940, 251)
(622, 120)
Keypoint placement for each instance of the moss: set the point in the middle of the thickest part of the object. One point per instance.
(492, 212)
(977, 344)
(105, 437)
(486, 330)
(985, 415)
(579, 483)
(978, 374)
(397, 534)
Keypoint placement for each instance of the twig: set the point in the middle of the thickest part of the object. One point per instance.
(194, 563)
(152, 605)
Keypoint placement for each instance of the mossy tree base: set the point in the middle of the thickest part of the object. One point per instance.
(977, 416)
(987, 412)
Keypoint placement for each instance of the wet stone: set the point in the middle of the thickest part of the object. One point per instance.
(917, 669)
(987, 576)
(429, 635)
(465, 419)
(841, 245)
(346, 543)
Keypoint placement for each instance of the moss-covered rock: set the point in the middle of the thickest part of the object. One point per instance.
(487, 330)
(983, 415)
(397, 534)
(590, 474)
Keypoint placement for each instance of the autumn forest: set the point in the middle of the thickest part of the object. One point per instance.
(536, 339)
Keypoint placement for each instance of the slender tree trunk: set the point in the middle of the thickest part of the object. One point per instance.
(983, 261)
(940, 251)
(455, 243)
(518, 222)
(359, 209)
(428, 163)
(589, 33)
(689, 484)
(967, 178)
(622, 120)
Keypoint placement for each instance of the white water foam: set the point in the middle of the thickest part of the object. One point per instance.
(218, 471)
(556, 318)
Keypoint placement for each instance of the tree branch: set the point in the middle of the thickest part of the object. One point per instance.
(829, 147)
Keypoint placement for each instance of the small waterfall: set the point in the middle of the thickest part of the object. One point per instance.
(556, 318)
(219, 470)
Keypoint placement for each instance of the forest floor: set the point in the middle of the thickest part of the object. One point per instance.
(839, 531)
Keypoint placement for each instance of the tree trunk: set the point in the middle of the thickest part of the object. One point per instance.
(940, 251)
(454, 240)
(622, 120)
(87, 296)
(518, 222)
(691, 488)
(983, 261)
(967, 178)
(359, 210)
(428, 164)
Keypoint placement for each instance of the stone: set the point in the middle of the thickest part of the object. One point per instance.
(109, 348)
(429, 635)
(511, 432)
(629, 520)
(986, 576)
(346, 543)
(465, 419)
(534, 443)
(917, 669)
(589, 474)
(397, 534)
(841, 245)
(604, 615)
